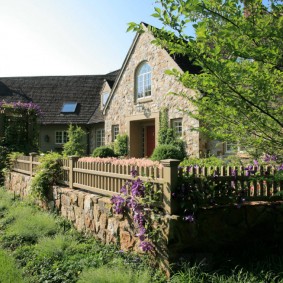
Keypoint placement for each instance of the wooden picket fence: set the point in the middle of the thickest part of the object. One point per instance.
(251, 183)
(107, 179)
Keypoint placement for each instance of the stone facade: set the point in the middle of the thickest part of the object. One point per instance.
(133, 114)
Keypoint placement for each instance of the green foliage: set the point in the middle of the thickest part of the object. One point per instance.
(163, 127)
(3, 161)
(28, 225)
(167, 136)
(236, 69)
(118, 274)
(203, 162)
(8, 269)
(121, 145)
(166, 151)
(76, 144)
(20, 127)
(103, 151)
(48, 172)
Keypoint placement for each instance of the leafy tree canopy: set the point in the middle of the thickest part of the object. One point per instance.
(238, 47)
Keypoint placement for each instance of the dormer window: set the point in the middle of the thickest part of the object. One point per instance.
(104, 98)
(69, 107)
(143, 81)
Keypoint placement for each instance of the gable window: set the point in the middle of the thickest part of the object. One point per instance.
(143, 81)
(99, 137)
(61, 137)
(69, 107)
(115, 132)
(104, 98)
(177, 126)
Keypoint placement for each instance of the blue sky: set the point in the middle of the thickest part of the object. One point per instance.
(67, 37)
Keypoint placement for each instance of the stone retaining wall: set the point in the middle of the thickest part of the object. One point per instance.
(214, 229)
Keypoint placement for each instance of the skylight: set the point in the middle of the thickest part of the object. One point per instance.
(69, 107)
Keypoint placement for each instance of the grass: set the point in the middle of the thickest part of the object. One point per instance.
(8, 269)
(45, 248)
(118, 274)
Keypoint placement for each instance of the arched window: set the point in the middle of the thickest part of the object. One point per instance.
(143, 81)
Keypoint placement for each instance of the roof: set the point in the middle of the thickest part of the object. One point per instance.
(51, 92)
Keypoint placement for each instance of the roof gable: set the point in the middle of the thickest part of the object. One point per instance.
(182, 63)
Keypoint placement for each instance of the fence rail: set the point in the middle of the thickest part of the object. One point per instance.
(251, 183)
(217, 183)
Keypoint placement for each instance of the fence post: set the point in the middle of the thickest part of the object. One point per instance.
(170, 181)
(31, 157)
(72, 160)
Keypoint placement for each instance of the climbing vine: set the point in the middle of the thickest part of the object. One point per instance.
(138, 198)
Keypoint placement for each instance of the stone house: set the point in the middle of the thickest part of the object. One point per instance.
(140, 91)
(126, 101)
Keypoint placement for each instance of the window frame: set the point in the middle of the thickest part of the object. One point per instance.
(63, 135)
(143, 81)
(115, 133)
(179, 133)
(69, 104)
(101, 134)
(102, 98)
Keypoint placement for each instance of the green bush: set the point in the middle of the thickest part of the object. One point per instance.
(48, 173)
(76, 145)
(203, 162)
(103, 151)
(121, 145)
(28, 225)
(118, 274)
(8, 269)
(166, 151)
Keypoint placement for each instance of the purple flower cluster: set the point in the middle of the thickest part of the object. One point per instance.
(136, 188)
(269, 158)
(29, 107)
(118, 204)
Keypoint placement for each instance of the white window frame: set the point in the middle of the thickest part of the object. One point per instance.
(115, 132)
(233, 147)
(99, 137)
(143, 81)
(177, 126)
(103, 100)
(61, 137)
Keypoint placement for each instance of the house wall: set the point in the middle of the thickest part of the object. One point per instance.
(123, 108)
(92, 135)
(47, 137)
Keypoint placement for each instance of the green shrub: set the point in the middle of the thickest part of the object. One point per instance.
(48, 173)
(119, 273)
(76, 145)
(166, 151)
(8, 269)
(203, 162)
(103, 151)
(48, 247)
(28, 225)
(121, 145)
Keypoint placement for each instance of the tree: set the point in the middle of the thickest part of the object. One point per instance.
(238, 47)
(76, 144)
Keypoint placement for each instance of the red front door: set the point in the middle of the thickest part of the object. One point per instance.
(150, 140)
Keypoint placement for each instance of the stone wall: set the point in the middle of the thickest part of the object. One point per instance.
(88, 212)
(218, 228)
